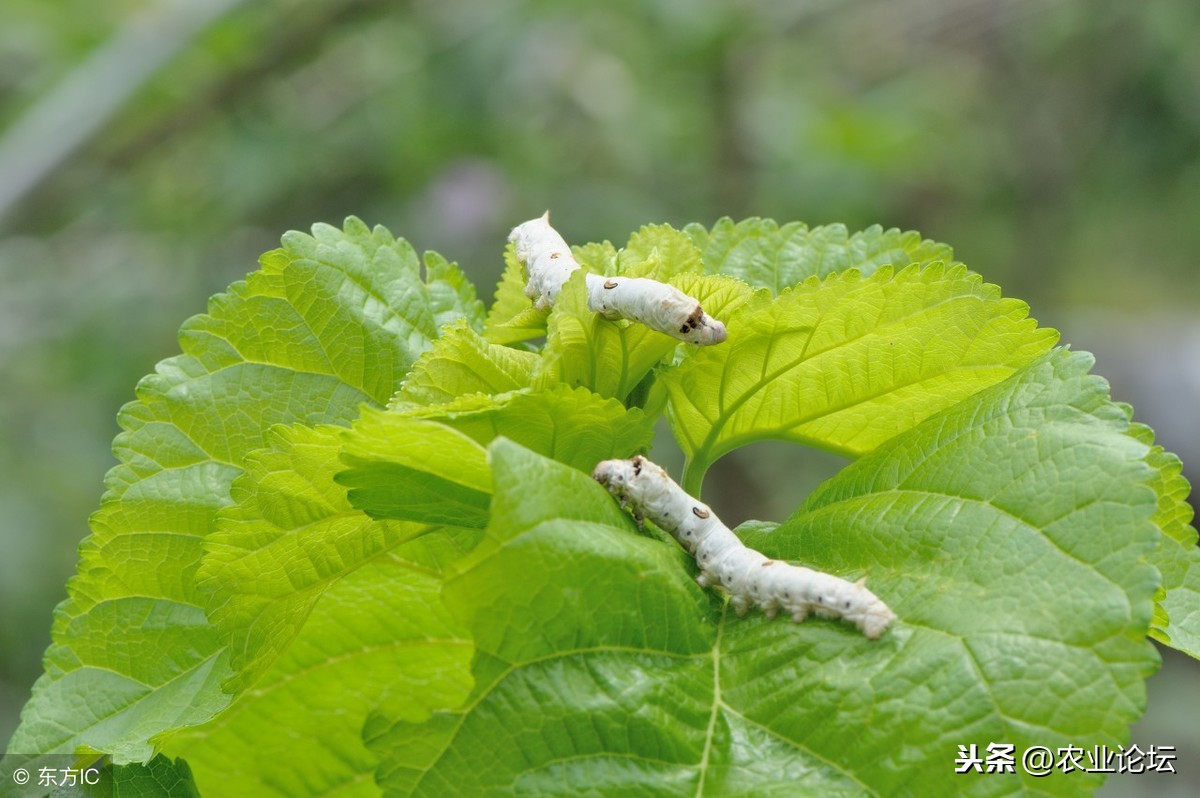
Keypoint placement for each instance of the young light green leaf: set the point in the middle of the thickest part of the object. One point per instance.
(1177, 556)
(597, 257)
(571, 425)
(428, 464)
(1180, 566)
(324, 611)
(660, 252)
(297, 732)
(451, 295)
(846, 363)
(512, 317)
(290, 534)
(766, 255)
(329, 322)
(415, 469)
(460, 363)
(1008, 533)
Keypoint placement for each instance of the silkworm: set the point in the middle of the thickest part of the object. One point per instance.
(659, 306)
(749, 577)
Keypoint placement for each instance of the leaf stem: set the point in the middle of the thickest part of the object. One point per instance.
(692, 479)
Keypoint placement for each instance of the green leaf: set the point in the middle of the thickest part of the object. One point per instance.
(660, 252)
(766, 255)
(1177, 556)
(573, 426)
(451, 295)
(512, 317)
(290, 534)
(159, 778)
(1008, 533)
(324, 611)
(460, 363)
(415, 469)
(329, 322)
(846, 363)
(1180, 565)
(429, 464)
(297, 731)
(597, 258)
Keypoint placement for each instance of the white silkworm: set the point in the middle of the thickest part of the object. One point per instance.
(659, 306)
(750, 578)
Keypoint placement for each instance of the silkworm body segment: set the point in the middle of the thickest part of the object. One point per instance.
(659, 306)
(751, 578)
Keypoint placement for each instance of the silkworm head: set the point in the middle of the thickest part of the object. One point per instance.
(610, 474)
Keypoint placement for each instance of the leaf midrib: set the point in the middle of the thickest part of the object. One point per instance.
(144, 696)
(719, 705)
(716, 702)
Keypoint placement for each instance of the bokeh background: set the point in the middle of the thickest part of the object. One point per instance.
(151, 149)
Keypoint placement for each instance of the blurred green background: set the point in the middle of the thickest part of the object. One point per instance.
(149, 151)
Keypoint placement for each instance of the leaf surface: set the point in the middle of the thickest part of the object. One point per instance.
(325, 612)
(512, 317)
(297, 731)
(660, 252)
(416, 469)
(846, 363)
(289, 536)
(159, 778)
(767, 255)
(429, 464)
(460, 363)
(1177, 556)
